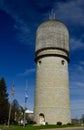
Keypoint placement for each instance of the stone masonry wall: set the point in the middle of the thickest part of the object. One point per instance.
(52, 92)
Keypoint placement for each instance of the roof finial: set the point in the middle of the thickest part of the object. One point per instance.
(52, 14)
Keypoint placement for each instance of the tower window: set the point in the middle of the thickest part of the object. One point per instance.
(39, 62)
(62, 62)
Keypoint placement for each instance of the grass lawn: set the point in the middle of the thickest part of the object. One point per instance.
(19, 127)
(30, 127)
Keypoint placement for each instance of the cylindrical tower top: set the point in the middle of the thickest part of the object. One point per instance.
(52, 34)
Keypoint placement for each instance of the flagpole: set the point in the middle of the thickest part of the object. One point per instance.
(24, 114)
(12, 94)
(26, 97)
(9, 115)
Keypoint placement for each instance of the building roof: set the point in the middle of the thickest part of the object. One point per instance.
(28, 111)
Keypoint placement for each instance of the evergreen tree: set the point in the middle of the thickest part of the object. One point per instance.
(4, 104)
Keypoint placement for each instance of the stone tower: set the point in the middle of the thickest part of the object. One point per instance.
(52, 84)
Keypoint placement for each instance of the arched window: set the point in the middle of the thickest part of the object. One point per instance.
(41, 118)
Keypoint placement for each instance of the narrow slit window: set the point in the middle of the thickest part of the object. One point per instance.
(62, 62)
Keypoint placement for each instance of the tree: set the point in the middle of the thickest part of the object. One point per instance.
(21, 113)
(4, 104)
(82, 119)
(15, 110)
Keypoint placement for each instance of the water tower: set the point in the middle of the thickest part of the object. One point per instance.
(52, 103)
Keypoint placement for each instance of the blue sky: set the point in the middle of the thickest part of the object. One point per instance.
(19, 20)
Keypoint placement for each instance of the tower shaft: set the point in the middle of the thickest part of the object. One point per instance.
(52, 82)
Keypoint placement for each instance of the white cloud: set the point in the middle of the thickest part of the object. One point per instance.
(77, 108)
(71, 11)
(76, 69)
(19, 12)
(77, 89)
(23, 32)
(27, 72)
(82, 62)
(75, 104)
(81, 84)
(76, 76)
(75, 44)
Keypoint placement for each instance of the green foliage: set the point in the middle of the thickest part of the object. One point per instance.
(59, 123)
(17, 113)
(69, 124)
(4, 104)
(82, 118)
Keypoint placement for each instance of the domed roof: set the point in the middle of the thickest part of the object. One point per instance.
(52, 34)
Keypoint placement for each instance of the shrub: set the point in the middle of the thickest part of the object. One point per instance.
(59, 123)
(46, 123)
(69, 124)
